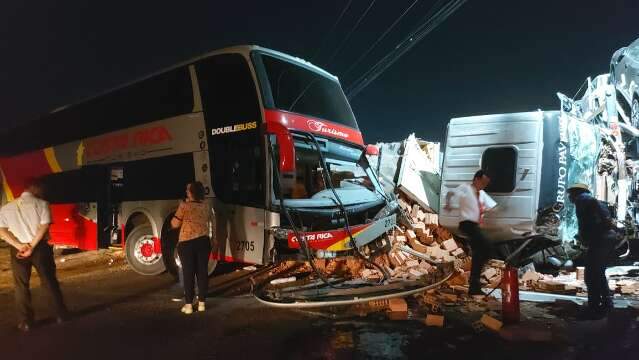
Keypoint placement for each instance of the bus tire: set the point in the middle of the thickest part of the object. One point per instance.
(176, 266)
(169, 252)
(141, 254)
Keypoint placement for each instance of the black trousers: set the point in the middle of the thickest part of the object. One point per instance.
(42, 260)
(597, 257)
(480, 253)
(194, 256)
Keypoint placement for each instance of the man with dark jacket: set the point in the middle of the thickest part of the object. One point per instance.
(596, 230)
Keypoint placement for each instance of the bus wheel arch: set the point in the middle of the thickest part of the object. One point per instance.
(142, 247)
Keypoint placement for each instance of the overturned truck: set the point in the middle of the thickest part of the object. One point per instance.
(533, 157)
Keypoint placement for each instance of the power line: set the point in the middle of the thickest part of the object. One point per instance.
(361, 18)
(411, 40)
(380, 38)
(330, 32)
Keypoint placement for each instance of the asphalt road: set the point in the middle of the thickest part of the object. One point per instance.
(121, 315)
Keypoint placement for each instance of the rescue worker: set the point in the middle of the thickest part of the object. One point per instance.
(597, 233)
(473, 203)
(24, 224)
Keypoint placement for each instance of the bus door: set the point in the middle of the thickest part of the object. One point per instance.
(232, 115)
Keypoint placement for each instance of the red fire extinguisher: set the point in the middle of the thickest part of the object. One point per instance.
(510, 295)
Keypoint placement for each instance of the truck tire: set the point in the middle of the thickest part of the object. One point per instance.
(142, 253)
(171, 258)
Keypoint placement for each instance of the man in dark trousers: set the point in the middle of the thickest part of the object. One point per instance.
(596, 230)
(473, 203)
(24, 224)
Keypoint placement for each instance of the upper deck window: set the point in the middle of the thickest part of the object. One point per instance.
(296, 88)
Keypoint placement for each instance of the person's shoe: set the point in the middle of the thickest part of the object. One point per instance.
(187, 309)
(24, 326)
(201, 306)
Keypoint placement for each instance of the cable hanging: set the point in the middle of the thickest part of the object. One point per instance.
(411, 40)
(359, 21)
(380, 38)
(332, 30)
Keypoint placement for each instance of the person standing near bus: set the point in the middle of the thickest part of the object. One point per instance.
(194, 244)
(473, 203)
(597, 233)
(24, 224)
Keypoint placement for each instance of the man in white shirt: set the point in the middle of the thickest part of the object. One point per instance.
(24, 224)
(473, 203)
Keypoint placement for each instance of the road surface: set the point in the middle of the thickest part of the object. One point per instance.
(121, 315)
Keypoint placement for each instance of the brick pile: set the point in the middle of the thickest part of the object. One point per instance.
(570, 283)
(432, 246)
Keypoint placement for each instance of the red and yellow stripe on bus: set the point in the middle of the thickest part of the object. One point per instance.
(68, 226)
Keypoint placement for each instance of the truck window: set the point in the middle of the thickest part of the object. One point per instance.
(500, 163)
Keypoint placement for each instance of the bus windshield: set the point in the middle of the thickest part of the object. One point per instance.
(346, 169)
(298, 89)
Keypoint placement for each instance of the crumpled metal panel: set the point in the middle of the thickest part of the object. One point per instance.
(386, 164)
(584, 142)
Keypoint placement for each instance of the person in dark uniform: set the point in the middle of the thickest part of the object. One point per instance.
(597, 233)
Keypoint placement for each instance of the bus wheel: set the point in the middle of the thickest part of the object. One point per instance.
(143, 251)
(178, 264)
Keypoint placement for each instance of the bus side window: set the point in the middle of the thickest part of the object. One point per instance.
(232, 115)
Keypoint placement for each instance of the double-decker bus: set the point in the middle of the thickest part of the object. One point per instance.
(272, 138)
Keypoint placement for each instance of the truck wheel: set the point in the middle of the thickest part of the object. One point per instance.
(634, 112)
(143, 252)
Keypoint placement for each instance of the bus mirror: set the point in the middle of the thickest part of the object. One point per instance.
(286, 147)
(372, 150)
(287, 153)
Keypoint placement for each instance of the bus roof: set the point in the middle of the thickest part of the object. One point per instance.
(21, 137)
(241, 49)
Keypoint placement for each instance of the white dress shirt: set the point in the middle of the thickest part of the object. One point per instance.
(472, 207)
(23, 216)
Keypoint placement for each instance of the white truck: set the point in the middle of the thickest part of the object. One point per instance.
(534, 156)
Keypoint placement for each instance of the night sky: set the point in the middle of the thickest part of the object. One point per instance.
(491, 56)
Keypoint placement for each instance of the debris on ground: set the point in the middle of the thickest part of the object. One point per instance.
(434, 320)
(491, 323)
(397, 309)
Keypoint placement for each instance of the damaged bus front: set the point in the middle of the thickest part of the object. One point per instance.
(323, 192)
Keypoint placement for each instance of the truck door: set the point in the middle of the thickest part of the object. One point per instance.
(236, 149)
(509, 148)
